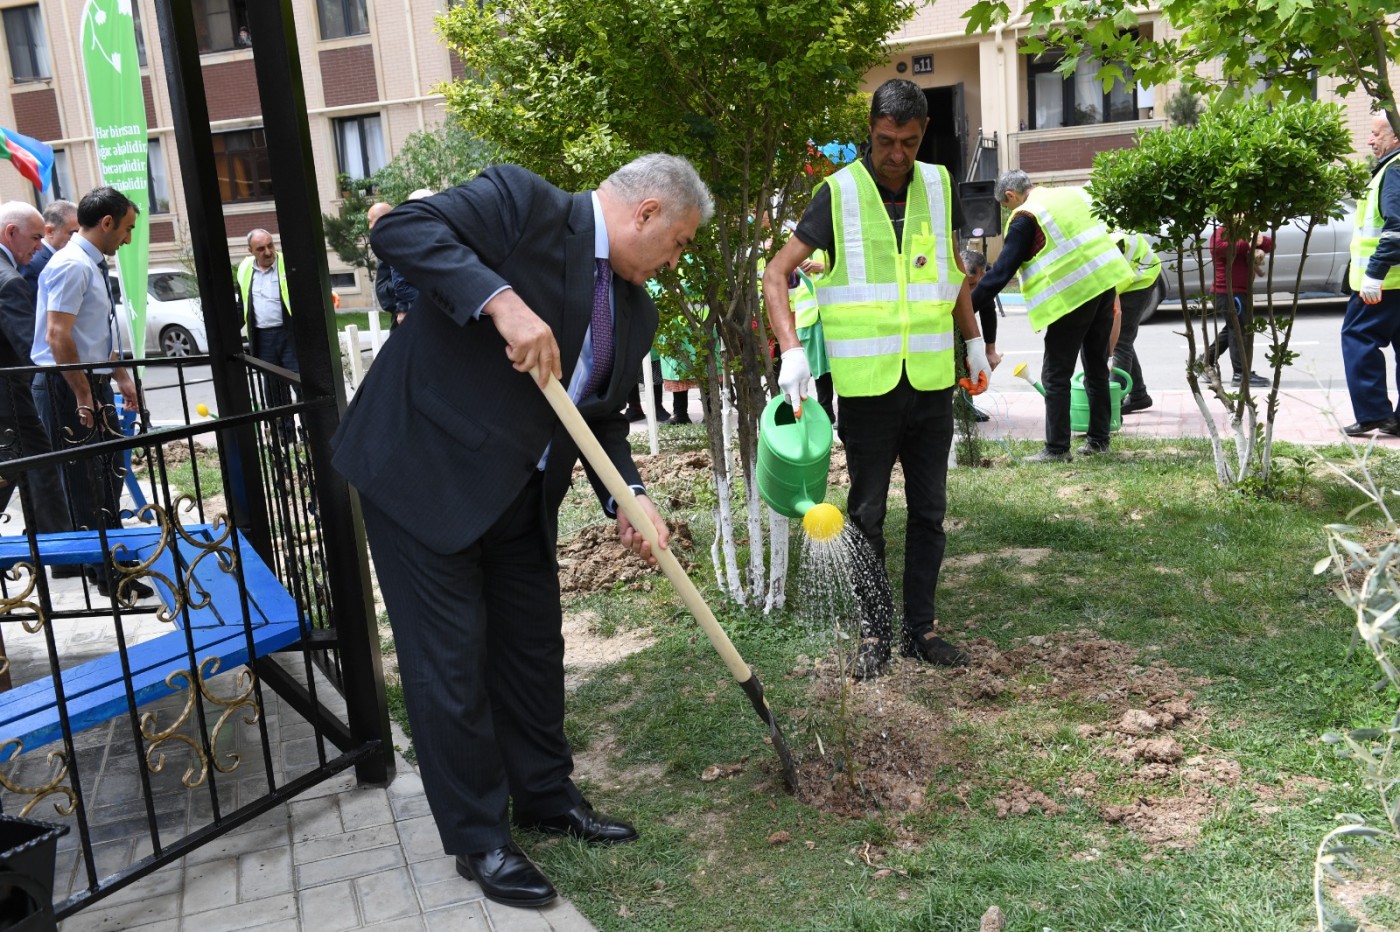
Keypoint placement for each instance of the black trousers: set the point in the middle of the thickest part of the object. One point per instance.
(23, 434)
(275, 345)
(1082, 333)
(916, 428)
(481, 652)
(1125, 354)
(1227, 307)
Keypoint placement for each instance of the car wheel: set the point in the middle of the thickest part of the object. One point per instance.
(1159, 291)
(177, 341)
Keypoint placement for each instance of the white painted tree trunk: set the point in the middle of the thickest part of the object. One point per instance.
(649, 405)
(778, 540)
(758, 579)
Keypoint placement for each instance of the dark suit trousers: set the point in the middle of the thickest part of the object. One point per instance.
(1083, 332)
(276, 345)
(1367, 329)
(481, 653)
(23, 434)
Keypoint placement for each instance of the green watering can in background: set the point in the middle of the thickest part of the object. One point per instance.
(794, 457)
(1079, 400)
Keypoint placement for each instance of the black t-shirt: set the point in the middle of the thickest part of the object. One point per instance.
(815, 228)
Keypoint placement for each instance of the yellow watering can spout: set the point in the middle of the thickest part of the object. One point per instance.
(823, 522)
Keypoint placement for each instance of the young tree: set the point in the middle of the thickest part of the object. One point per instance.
(1289, 43)
(346, 230)
(742, 89)
(435, 159)
(1226, 170)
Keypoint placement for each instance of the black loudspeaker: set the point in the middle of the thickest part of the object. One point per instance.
(980, 209)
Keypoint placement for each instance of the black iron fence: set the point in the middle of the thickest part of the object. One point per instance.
(170, 650)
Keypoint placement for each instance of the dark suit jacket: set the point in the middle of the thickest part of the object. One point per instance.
(36, 265)
(16, 316)
(443, 434)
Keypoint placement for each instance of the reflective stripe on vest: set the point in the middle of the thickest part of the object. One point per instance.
(1079, 261)
(1370, 229)
(887, 308)
(1145, 262)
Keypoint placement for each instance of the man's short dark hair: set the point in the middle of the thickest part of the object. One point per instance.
(105, 201)
(899, 99)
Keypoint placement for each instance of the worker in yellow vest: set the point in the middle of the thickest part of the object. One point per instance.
(1070, 271)
(1372, 320)
(1147, 268)
(267, 314)
(888, 303)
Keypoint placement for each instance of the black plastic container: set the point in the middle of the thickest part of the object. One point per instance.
(27, 849)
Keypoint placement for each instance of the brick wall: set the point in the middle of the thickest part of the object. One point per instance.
(36, 113)
(163, 231)
(232, 90)
(150, 100)
(1065, 154)
(238, 226)
(348, 75)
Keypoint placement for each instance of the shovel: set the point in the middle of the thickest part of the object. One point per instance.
(627, 501)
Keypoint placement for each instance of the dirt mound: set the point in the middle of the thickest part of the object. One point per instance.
(593, 560)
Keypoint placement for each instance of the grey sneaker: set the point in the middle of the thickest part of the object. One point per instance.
(1045, 456)
(1092, 448)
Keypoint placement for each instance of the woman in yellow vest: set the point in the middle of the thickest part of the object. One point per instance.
(1070, 272)
(888, 302)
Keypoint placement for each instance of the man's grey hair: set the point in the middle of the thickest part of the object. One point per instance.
(1013, 180)
(253, 233)
(17, 212)
(60, 212)
(973, 261)
(670, 179)
(899, 99)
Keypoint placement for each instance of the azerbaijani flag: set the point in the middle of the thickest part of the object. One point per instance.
(32, 158)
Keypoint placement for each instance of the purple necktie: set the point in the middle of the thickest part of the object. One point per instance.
(602, 330)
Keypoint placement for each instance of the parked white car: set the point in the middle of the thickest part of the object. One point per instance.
(1324, 270)
(174, 320)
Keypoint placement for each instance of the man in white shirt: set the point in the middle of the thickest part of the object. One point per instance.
(267, 313)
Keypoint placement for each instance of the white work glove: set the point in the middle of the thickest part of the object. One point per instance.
(793, 376)
(977, 366)
(1371, 289)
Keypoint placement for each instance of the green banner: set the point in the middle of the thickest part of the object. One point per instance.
(119, 129)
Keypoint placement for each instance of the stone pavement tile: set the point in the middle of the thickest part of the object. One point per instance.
(211, 884)
(563, 917)
(315, 818)
(406, 782)
(253, 914)
(420, 838)
(348, 866)
(439, 885)
(118, 918)
(160, 925)
(365, 806)
(316, 849)
(233, 845)
(466, 918)
(386, 895)
(332, 786)
(329, 908)
(265, 873)
(409, 807)
(407, 924)
(559, 916)
(169, 879)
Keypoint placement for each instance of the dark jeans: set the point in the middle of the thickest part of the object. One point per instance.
(25, 435)
(1082, 333)
(916, 428)
(94, 483)
(1366, 330)
(1226, 308)
(826, 396)
(276, 345)
(1124, 355)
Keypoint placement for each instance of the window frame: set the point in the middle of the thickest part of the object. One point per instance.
(367, 162)
(1047, 63)
(155, 155)
(347, 10)
(37, 45)
(60, 182)
(237, 14)
(225, 157)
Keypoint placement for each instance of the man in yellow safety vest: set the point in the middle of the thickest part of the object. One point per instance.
(1372, 320)
(1070, 272)
(888, 302)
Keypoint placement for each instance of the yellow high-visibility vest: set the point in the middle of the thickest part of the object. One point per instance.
(887, 307)
(1145, 263)
(1366, 236)
(1079, 261)
(245, 283)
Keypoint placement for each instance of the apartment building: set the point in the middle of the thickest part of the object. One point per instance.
(370, 69)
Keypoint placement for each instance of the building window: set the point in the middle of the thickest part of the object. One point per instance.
(245, 173)
(359, 146)
(60, 184)
(29, 48)
(157, 181)
(341, 18)
(1078, 100)
(220, 25)
(344, 280)
(140, 34)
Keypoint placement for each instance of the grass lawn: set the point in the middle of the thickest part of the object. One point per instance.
(1138, 555)
(360, 319)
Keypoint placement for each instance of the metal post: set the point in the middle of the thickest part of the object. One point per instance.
(303, 246)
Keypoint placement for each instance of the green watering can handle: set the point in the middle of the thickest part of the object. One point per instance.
(1127, 380)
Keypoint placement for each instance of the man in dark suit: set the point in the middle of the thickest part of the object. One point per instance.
(461, 467)
(60, 223)
(21, 432)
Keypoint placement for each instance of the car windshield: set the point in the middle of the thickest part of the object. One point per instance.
(173, 286)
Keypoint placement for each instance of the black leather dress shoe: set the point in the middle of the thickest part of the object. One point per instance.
(507, 876)
(583, 823)
(1386, 424)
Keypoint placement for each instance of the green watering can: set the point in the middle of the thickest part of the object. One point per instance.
(1079, 400)
(794, 457)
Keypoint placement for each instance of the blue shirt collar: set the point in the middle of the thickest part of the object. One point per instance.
(92, 251)
(600, 230)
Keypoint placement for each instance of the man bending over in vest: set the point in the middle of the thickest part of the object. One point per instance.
(1372, 320)
(1070, 272)
(888, 303)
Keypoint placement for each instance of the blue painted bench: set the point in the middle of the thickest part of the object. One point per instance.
(95, 691)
